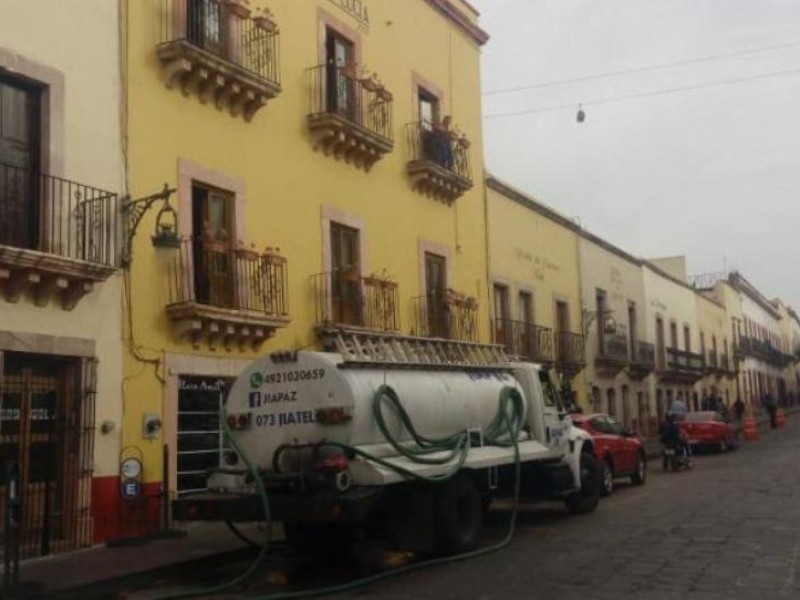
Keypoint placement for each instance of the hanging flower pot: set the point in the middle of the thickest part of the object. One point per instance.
(266, 21)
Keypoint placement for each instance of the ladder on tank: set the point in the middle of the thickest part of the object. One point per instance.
(363, 348)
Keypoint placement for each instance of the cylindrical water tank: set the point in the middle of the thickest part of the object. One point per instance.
(285, 400)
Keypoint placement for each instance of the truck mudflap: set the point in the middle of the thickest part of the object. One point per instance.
(324, 506)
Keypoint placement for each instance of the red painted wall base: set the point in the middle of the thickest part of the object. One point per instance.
(115, 517)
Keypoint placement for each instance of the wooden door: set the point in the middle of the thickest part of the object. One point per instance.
(341, 77)
(206, 25)
(502, 324)
(436, 295)
(214, 266)
(19, 163)
(346, 292)
(35, 415)
(562, 328)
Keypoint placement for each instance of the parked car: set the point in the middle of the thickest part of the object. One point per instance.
(620, 452)
(709, 429)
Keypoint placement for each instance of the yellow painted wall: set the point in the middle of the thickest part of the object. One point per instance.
(530, 252)
(713, 321)
(63, 38)
(287, 182)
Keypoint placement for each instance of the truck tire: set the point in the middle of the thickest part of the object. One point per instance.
(320, 539)
(585, 500)
(459, 515)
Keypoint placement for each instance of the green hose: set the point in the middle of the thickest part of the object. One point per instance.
(503, 431)
(262, 555)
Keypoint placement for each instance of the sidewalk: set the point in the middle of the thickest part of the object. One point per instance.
(73, 571)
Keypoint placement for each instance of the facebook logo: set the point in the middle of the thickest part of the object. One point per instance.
(255, 399)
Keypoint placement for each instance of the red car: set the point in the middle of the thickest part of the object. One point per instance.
(709, 429)
(620, 452)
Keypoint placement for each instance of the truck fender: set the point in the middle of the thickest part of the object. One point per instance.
(579, 442)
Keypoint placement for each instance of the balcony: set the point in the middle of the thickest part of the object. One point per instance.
(524, 341)
(438, 163)
(643, 362)
(761, 350)
(570, 356)
(447, 315)
(215, 50)
(350, 116)
(232, 296)
(682, 367)
(727, 366)
(347, 300)
(712, 362)
(57, 237)
(613, 354)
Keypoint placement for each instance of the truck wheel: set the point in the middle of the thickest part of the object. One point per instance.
(640, 474)
(459, 515)
(587, 498)
(320, 539)
(608, 478)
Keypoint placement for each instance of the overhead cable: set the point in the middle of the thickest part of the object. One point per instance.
(615, 99)
(656, 67)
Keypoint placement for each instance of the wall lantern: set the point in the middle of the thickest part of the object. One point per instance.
(580, 116)
(165, 236)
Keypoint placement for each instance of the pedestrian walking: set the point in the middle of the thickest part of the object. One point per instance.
(738, 408)
(772, 409)
(678, 408)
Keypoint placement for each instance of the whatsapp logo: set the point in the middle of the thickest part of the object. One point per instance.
(256, 379)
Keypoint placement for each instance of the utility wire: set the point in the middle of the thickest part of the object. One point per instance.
(656, 67)
(644, 94)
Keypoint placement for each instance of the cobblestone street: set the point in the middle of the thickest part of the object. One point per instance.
(729, 528)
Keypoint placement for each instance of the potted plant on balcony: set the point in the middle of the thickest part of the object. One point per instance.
(240, 8)
(245, 253)
(265, 20)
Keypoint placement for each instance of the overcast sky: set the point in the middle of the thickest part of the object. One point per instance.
(712, 173)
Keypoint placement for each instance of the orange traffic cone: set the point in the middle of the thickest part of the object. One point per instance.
(780, 418)
(750, 429)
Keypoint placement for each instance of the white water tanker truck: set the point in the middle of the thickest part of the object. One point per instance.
(411, 447)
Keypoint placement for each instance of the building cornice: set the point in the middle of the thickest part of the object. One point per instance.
(449, 11)
(745, 287)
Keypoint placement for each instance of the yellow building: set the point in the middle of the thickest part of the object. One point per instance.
(326, 157)
(716, 345)
(535, 279)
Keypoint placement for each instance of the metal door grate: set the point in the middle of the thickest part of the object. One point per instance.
(47, 426)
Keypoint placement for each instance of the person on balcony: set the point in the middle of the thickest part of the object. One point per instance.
(438, 143)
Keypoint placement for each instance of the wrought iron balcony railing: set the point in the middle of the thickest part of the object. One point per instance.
(217, 50)
(438, 162)
(645, 354)
(760, 349)
(58, 217)
(345, 298)
(446, 315)
(569, 349)
(215, 274)
(681, 360)
(525, 340)
(614, 347)
(350, 117)
(361, 101)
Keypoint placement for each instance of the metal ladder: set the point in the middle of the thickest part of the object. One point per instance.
(385, 349)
